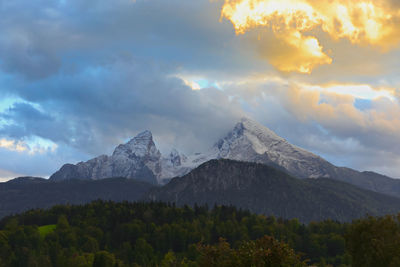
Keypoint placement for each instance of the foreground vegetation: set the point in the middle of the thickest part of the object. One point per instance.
(157, 234)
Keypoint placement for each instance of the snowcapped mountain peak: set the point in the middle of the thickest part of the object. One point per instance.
(251, 141)
(246, 137)
(247, 141)
(143, 136)
(142, 139)
(140, 146)
(258, 130)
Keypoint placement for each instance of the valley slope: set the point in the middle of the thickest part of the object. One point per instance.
(26, 193)
(266, 190)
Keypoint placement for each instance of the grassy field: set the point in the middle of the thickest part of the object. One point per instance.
(46, 229)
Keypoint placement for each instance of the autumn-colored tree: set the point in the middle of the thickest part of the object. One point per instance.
(265, 251)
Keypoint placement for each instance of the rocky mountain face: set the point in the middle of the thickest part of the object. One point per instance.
(247, 141)
(139, 159)
(266, 190)
(253, 142)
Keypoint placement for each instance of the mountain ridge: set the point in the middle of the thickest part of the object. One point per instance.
(266, 190)
(21, 194)
(252, 186)
(247, 141)
(139, 158)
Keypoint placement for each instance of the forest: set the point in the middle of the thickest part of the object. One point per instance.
(105, 233)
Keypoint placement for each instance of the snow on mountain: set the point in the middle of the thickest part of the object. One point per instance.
(251, 141)
(247, 141)
(139, 158)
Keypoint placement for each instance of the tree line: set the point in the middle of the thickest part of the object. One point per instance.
(158, 234)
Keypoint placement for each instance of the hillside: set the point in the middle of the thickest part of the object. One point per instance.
(26, 193)
(266, 190)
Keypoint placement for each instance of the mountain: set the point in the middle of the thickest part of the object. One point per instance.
(139, 159)
(253, 142)
(247, 141)
(266, 190)
(26, 193)
(258, 187)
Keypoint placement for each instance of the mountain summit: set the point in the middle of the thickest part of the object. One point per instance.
(247, 141)
(253, 142)
(139, 158)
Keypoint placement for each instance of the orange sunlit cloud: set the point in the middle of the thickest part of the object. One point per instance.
(361, 91)
(338, 112)
(13, 145)
(295, 23)
(21, 146)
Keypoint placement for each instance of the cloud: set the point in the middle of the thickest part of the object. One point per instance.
(41, 164)
(297, 27)
(7, 175)
(87, 83)
(328, 120)
(23, 118)
(377, 127)
(95, 109)
(13, 145)
(45, 37)
(32, 147)
(87, 75)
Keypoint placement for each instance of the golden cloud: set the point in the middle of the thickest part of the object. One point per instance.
(21, 146)
(13, 145)
(296, 24)
(334, 109)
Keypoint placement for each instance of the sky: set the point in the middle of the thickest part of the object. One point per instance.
(77, 78)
